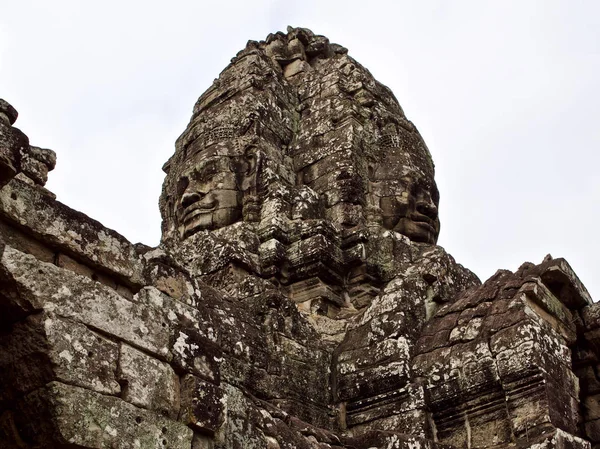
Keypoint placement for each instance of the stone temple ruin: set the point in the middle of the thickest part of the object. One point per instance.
(298, 298)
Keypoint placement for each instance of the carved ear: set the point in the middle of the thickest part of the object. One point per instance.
(251, 156)
(251, 183)
(252, 161)
(371, 171)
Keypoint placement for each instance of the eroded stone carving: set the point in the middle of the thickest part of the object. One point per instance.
(298, 298)
(211, 187)
(408, 203)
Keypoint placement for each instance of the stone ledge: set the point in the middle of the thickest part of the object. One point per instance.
(29, 285)
(70, 231)
(59, 414)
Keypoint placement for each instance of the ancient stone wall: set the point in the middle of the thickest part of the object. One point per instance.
(297, 299)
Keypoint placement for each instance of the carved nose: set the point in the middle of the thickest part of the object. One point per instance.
(427, 208)
(189, 198)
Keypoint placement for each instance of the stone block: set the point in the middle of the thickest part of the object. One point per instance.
(34, 168)
(516, 352)
(560, 278)
(81, 357)
(549, 308)
(8, 114)
(313, 289)
(591, 316)
(345, 214)
(527, 406)
(378, 439)
(43, 348)
(272, 252)
(68, 263)
(306, 410)
(295, 67)
(236, 282)
(16, 238)
(202, 442)
(380, 353)
(60, 415)
(24, 360)
(62, 227)
(372, 381)
(557, 439)
(412, 422)
(201, 405)
(147, 382)
(407, 401)
(31, 285)
(195, 354)
(488, 422)
(13, 143)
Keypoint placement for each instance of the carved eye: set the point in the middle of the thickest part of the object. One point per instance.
(206, 173)
(209, 174)
(182, 185)
(414, 189)
(371, 171)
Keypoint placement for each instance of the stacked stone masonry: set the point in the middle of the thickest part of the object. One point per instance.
(297, 299)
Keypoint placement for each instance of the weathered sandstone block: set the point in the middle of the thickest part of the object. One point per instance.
(147, 382)
(60, 415)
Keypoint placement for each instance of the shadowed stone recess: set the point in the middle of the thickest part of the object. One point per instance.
(297, 299)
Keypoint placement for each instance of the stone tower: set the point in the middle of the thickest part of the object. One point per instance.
(298, 298)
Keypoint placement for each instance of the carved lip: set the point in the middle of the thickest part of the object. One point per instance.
(423, 221)
(197, 209)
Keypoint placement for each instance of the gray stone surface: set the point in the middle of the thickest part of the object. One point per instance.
(298, 298)
(31, 285)
(59, 415)
(147, 382)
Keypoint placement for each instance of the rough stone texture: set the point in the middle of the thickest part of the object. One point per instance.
(49, 221)
(59, 414)
(30, 286)
(297, 299)
(202, 406)
(497, 361)
(12, 143)
(147, 382)
(17, 157)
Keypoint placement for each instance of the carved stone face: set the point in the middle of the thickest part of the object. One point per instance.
(410, 206)
(208, 195)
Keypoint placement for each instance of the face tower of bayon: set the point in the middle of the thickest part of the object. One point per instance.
(297, 299)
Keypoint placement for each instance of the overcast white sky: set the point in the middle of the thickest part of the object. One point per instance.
(505, 93)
